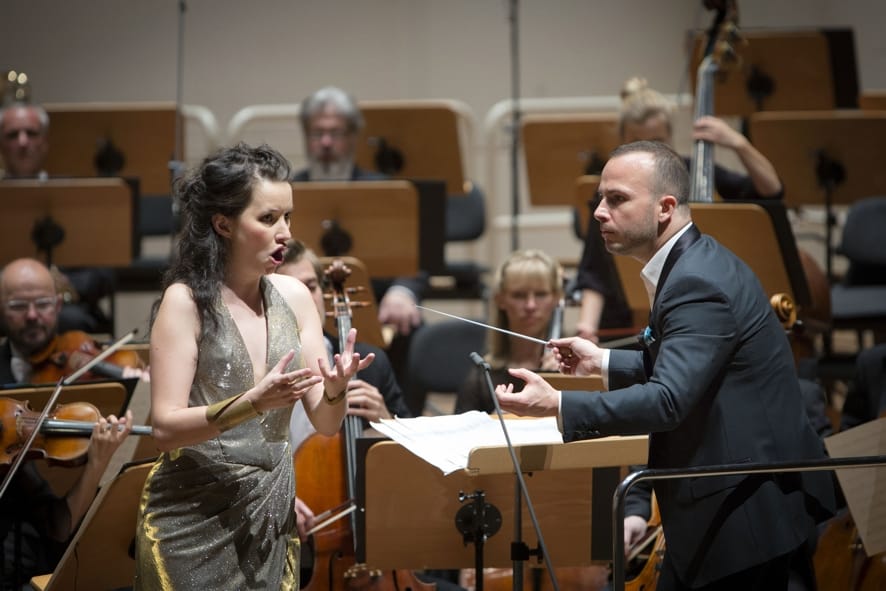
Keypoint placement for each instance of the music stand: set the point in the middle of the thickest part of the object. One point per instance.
(144, 133)
(372, 213)
(401, 532)
(77, 206)
(758, 233)
(363, 317)
(785, 70)
(825, 158)
(585, 193)
(413, 139)
(101, 554)
(559, 148)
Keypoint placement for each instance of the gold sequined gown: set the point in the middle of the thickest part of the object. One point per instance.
(220, 514)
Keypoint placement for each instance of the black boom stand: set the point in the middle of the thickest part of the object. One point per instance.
(483, 516)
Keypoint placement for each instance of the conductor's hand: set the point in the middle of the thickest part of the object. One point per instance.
(537, 399)
(397, 308)
(280, 388)
(577, 356)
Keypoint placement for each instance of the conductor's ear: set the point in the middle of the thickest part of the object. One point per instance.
(222, 225)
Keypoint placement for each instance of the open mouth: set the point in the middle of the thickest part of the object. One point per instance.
(278, 255)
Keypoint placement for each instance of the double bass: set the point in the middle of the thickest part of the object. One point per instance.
(329, 557)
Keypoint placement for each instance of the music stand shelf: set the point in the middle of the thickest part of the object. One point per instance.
(401, 532)
(77, 206)
(423, 135)
(145, 134)
(785, 70)
(559, 148)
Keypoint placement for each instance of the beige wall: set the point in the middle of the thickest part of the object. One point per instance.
(237, 53)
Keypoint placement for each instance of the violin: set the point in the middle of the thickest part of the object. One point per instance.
(64, 435)
(68, 352)
(330, 553)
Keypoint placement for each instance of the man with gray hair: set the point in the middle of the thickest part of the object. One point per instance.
(24, 140)
(331, 122)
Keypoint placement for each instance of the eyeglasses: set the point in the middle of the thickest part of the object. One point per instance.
(42, 305)
(334, 134)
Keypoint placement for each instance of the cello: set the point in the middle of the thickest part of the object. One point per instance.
(330, 553)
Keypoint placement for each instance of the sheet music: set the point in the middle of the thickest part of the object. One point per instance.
(446, 441)
(864, 488)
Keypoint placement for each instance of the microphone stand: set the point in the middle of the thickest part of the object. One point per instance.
(514, 19)
(519, 551)
(177, 164)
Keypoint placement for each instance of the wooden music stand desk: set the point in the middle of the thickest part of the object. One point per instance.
(793, 141)
(99, 556)
(825, 158)
(749, 231)
(560, 147)
(413, 526)
(79, 206)
(382, 218)
(807, 70)
(424, 133)
(143, 132)
(365, 317)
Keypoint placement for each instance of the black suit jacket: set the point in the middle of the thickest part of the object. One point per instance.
(6, 376)
(718, 385)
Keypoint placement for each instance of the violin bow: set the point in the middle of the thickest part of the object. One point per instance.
(20, 457)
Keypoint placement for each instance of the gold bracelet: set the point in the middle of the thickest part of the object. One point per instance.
(334, 399)
(230, 412)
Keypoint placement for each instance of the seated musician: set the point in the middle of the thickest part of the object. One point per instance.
(331, 122)
(373, 396)
(24, 147)
(647, 115)
(30, 316)
(527, 288)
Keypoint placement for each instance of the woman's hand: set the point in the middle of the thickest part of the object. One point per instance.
(279, 388)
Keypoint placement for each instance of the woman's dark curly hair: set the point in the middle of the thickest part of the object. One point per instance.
(222, 184)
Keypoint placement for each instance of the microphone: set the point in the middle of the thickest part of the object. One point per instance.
(479, 361)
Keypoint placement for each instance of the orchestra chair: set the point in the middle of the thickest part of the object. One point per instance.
(439, 360)
(858, 300)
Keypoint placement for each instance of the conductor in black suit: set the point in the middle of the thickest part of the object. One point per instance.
(715, 384)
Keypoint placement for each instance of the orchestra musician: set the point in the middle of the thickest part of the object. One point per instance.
(24, 147)
(331, 122)
(648, 115)
(715, 384)
(31, 308)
